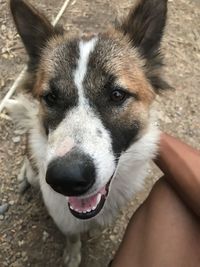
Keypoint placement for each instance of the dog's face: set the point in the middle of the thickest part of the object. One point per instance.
(95, 93)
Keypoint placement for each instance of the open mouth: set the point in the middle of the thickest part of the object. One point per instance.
(89, 207)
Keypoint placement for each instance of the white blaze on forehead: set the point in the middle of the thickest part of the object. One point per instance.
(85, 49)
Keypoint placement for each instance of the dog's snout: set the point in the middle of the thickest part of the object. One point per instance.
(72, 175)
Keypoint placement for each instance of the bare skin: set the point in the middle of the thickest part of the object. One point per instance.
(165, 230)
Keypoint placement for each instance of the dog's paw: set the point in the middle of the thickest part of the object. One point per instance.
(23, 183)
(27, 177)
(72, 252)
(72, 260)
(23, 186)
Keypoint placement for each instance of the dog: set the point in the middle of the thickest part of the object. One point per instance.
(87, 109)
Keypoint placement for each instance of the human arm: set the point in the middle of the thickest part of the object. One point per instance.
(181, 165)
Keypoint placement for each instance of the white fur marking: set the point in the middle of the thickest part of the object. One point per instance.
(85, 49)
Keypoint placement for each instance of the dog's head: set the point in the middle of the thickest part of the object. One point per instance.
(95, 94)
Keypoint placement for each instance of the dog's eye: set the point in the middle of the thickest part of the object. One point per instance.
(118, 96)
(50, 99)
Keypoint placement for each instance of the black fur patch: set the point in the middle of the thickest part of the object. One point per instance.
(122, 135)
(62, 85)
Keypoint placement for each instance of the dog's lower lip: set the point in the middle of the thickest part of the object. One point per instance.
(90, 214)
(93, 211)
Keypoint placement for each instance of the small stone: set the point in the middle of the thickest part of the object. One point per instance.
(20, 243)
(3, 208)
(25, 259)
(16, 264)
(45, 236)
(11, 202)
(18, 255)
(112, 238)
(1, 217)
(3, 27)
(16, 139)
(23, 254)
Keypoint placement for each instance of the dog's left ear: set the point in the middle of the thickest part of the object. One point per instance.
(144, 26)
(33, 27)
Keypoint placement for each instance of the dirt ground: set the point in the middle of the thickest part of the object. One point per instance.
(28, 237)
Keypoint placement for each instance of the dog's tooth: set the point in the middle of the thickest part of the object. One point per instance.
(93, 208)
(88, 210)
(98, 198)
(71, 207)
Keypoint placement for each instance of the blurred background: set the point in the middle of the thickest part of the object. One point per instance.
(28, 237)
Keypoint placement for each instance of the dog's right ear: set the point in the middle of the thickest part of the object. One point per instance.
(33, 27)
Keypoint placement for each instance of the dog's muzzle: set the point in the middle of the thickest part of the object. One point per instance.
(74, 176)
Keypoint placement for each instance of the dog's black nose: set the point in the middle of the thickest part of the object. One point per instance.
(72, 175)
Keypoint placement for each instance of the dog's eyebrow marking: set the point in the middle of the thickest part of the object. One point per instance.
(85, 49)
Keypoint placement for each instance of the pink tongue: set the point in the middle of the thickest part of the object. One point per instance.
(83, 204)
(86, 204)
